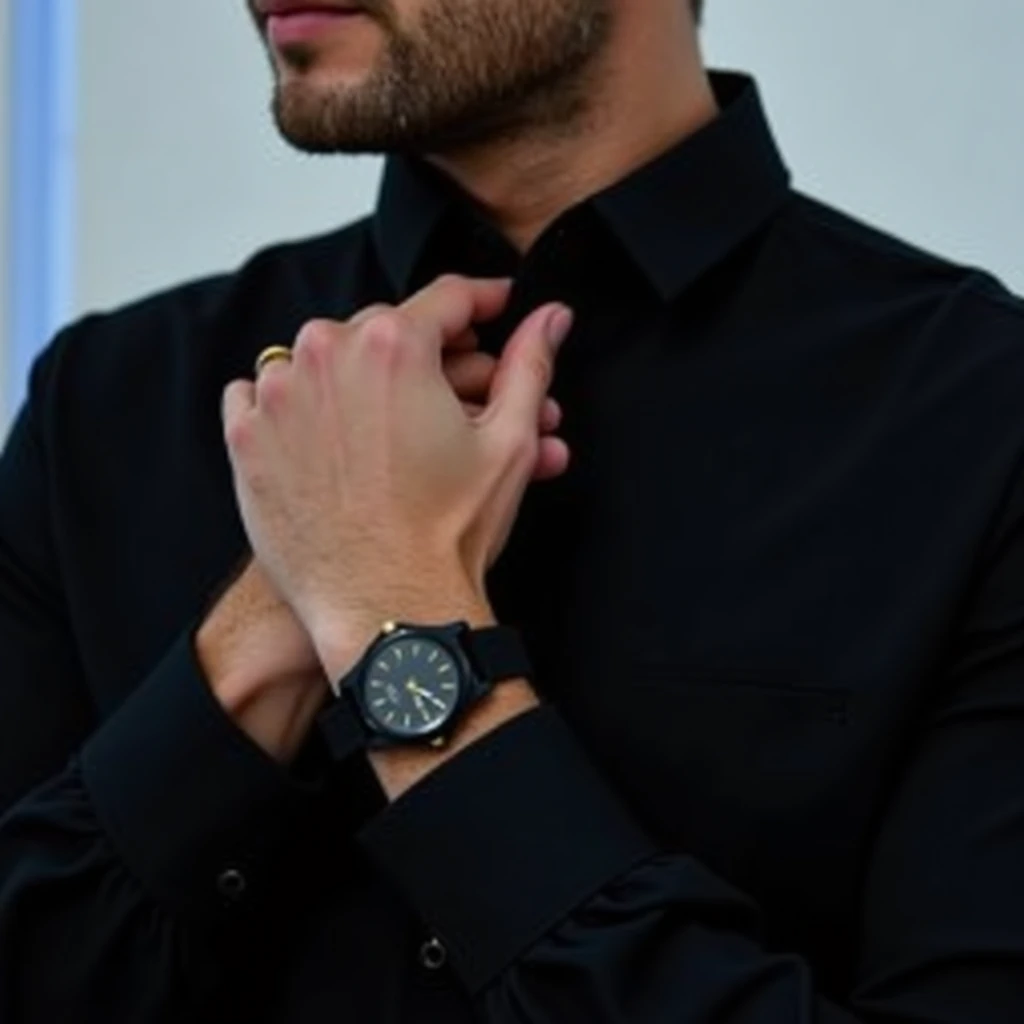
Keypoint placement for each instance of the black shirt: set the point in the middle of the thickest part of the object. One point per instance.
(776, 609)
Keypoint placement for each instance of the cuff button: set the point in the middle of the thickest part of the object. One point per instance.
(433, 955)
(231, 884)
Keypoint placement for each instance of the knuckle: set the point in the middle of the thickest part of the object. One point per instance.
(384, 335)
(538, 368)
(316, 339)
(457, 292)
(453, 282)
(368, 312)
(272, 391)
(238, 433)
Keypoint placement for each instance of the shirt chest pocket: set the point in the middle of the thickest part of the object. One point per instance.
(727, 766)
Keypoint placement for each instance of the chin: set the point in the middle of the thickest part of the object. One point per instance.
(320, 82)
(337, 60)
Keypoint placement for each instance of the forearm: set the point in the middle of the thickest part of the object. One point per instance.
(260, 665)
(277, 711)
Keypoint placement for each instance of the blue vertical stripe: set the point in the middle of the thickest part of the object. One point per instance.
(42, 97)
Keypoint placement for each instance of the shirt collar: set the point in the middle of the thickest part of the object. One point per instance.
(676, 216)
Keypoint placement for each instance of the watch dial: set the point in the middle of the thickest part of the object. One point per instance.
(412, 686)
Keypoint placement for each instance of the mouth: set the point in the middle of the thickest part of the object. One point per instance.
(288, 22)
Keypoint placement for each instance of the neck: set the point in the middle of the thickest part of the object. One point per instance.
(645, 93)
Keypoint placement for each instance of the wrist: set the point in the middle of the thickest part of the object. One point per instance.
(274, 707)
(400, 769)
(341, 637)
(276, 714)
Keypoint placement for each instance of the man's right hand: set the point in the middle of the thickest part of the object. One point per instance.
(257, 657)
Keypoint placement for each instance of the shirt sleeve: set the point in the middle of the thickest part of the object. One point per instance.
(132, 852)
(554, 906)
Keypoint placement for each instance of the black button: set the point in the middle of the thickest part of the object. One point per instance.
(433, 955)
(231, 884)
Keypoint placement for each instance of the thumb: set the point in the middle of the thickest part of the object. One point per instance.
(527, 365)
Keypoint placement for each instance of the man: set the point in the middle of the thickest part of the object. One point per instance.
(624, 602)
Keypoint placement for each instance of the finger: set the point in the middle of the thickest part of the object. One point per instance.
(270, 385)
(470, 374)
(553, 459)
(467, 341)
(550, 417)
(451, 305)
(527, 365)
(237, 403)
(365, 314)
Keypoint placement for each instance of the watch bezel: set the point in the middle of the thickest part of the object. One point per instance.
(448, 637)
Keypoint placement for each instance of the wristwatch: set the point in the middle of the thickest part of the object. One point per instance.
(415, 683)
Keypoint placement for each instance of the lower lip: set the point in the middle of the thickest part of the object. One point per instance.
(284, 29)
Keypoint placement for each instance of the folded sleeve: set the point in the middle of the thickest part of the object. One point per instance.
(195, 808)
(126, 879)
(500, 843)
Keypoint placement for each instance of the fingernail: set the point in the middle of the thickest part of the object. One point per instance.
(559, 325)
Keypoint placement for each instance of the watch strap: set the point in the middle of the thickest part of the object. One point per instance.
(497, 653)
(342, 729)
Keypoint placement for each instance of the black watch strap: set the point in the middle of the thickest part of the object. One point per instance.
(497, 653)
(341, 728)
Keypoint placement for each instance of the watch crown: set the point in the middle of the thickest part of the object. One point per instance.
(390, 627)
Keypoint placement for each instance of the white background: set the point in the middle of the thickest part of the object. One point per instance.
(908, 113)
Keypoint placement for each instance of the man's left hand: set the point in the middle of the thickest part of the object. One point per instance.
(367, 491)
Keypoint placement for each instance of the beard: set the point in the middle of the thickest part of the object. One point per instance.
(466, 73)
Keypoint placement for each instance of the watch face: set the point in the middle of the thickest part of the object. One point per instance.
(412, 687)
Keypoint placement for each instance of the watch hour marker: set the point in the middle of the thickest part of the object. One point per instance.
(407, 721)
(433, 656)
(398, 653)
(448, 686)
(384, 665)
(389, 717)
(380, 702)
(446, 667)
(416, 650)
(377, 682)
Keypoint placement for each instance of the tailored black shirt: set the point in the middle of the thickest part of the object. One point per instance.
(776, 609)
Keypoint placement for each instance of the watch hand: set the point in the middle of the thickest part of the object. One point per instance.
(434, 700)
(420, 706)
(414, 688)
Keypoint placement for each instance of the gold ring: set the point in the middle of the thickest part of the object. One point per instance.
(268, 355)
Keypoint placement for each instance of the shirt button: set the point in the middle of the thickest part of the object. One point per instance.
(433, 955)
(231, 884)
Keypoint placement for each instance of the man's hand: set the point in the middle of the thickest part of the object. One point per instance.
(258, 657)
(367, 490)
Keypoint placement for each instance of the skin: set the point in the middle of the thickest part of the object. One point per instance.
(380, 473)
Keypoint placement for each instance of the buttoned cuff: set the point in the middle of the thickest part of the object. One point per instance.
(500, 844)
(195, 808)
